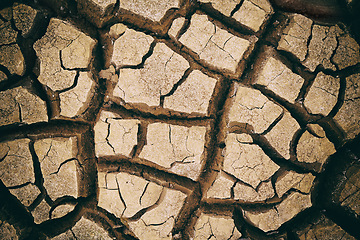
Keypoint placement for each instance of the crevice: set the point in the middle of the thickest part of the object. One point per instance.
(56, 226)
(120, 195)
(70, 69)
(340, 98)
(64, 200)
(53, 128)
(73, 234)
(143, 60)
(345, 220)
(63, 163)
(273, 124)
(186, 24)
(138, 168)
(305, 89)
(141, 139)
(131, 112)
(264, 144)
(334, 53)
(142, 194)
(295, 65)
(237, 8)
(46, 95)
(137, 216)
(73, 85)
(13, 212)
(228, 22)
(39, 179)
(296, 110)
(116, 7)
(109, 222)
(175, 86)
(6, 154)
(108, 135)
(226, 206)
(20, 186)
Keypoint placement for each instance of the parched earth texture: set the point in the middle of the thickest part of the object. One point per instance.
(179, 119)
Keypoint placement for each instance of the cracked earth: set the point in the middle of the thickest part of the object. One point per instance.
(179, 119)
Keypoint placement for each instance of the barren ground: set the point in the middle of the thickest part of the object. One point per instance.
(179, 119)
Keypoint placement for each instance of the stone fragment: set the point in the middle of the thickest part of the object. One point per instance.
(243, 138)
(282, 133)
(350, 192)
(65, 45)
(251, 15)
(221, 187)
(9, 107)
(87, 229)
(152, 9)
(323, 94)
(24, 17)
(117, 30)
(109, 74)
(177, 148)
(7, 231)
(109, 199)
(61, 210)
(246, 193)
(158, 222)
(7, 33)
(263, 4)
(114, 136)
(130, 47)
(19, 105)
(292, 180)
(103, 5)
(349, 114)
(12, 58)
(215, 227)
(224, 50)
(311, 149)
(78, 53)
(64, 236)
(192, 96)
(322, 45)
(84, 229)
(272, 219)
(41, 212)
(281, 80)
(98, 11)
(223, 6)
(213, 44)
(6, 13)
(26, 194)
(176, 26)
(2, 76)
(347, 53)
(157, 77)
(353, 202)
(73, 100)
(198, 34)
(347, 191)
(16, 167)
(125, 195)
(295, 36)
(247, 162)
(57, 160)
(323, 228)
(103, 181)
(253, 108)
